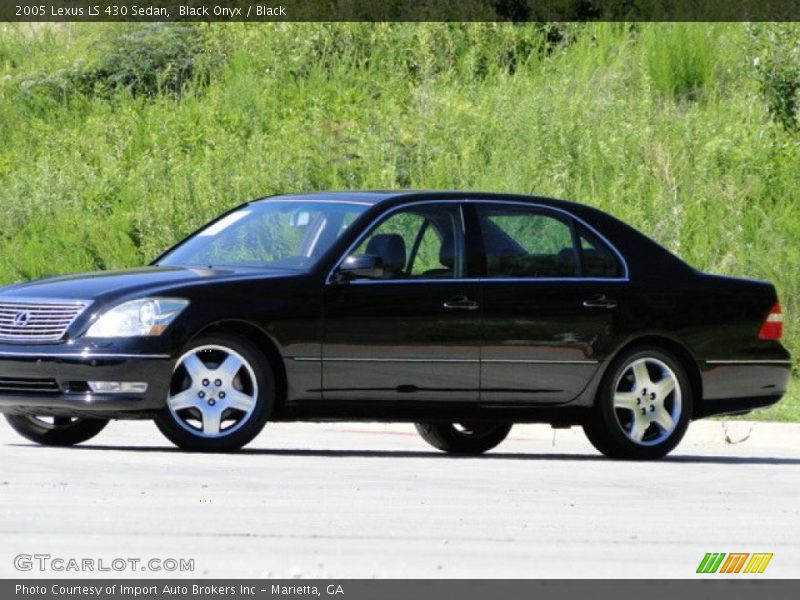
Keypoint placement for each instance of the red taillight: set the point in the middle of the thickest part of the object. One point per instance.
(772, 328)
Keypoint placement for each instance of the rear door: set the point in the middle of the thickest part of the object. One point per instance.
(414, 334)
(549, 295)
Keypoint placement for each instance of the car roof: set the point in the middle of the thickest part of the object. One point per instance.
(374, 197)
(362, 196)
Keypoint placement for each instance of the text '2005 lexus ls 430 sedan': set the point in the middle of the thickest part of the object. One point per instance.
(460, 312)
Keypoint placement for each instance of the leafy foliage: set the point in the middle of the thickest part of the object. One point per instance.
(777, 62)
(680, 59)
(144, 60)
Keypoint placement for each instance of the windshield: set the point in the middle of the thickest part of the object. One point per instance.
(277, 234)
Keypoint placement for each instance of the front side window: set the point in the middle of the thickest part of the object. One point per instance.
(274, 234)
(418, 242)
(522, 242)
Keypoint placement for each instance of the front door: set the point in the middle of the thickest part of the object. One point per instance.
(412, 334)
(549, 299)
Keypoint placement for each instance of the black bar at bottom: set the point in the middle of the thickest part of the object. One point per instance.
(707, 587)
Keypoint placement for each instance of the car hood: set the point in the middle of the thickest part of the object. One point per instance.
(104, 285)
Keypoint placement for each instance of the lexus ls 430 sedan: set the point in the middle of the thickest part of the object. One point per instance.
(460, 312)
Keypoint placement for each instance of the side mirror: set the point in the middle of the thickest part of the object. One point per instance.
(360, 266)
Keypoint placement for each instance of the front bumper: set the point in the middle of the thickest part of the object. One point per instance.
(50, 380)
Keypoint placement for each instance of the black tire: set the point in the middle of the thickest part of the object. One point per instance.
(178, 433)
(466, 438)
(608, 428)
(63, 431)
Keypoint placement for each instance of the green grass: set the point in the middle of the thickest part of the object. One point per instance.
(667, 126)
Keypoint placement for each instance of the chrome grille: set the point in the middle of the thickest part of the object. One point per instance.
(37, 321)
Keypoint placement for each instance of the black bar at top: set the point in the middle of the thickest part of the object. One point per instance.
(398, 10)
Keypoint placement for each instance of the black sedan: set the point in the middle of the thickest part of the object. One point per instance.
(461, 312)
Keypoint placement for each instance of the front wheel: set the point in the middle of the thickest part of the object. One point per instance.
(643, 407)
(56, 431)
(463, 438)
(221, 395)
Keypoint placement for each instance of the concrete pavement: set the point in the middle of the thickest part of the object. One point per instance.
(373, 500)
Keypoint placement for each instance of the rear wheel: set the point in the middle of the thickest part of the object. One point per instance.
(463, 438)
(221, 395)
(643, 408)
(56, 431)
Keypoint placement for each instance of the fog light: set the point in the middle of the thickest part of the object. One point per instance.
(118, 387)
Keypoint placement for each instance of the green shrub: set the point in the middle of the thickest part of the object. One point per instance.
(680, 58)
(142, 59)
(147, 59)
(777, 63)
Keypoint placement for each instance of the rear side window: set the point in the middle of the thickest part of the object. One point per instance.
(522, 242)
(598, 259)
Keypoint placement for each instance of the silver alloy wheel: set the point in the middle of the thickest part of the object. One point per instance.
(216, 388)
(647, 401)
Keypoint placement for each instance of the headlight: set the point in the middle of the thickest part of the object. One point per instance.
(147, 316)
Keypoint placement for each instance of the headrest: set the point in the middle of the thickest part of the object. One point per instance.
(447, 253)
(391, 248)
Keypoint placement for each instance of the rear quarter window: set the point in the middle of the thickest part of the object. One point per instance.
(598, 259)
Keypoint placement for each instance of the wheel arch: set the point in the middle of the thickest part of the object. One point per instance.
(680, 351)
(263, 341)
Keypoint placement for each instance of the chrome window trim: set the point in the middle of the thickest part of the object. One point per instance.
(308, 201)
(624, 278)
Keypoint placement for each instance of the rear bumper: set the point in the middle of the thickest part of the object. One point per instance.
(51, 380)
(736, 386)
(734, 406)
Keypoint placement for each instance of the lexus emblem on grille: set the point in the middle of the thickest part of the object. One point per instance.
(22, 318)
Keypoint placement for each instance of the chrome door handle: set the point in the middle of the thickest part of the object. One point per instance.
(600, 301)
(460, 303)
